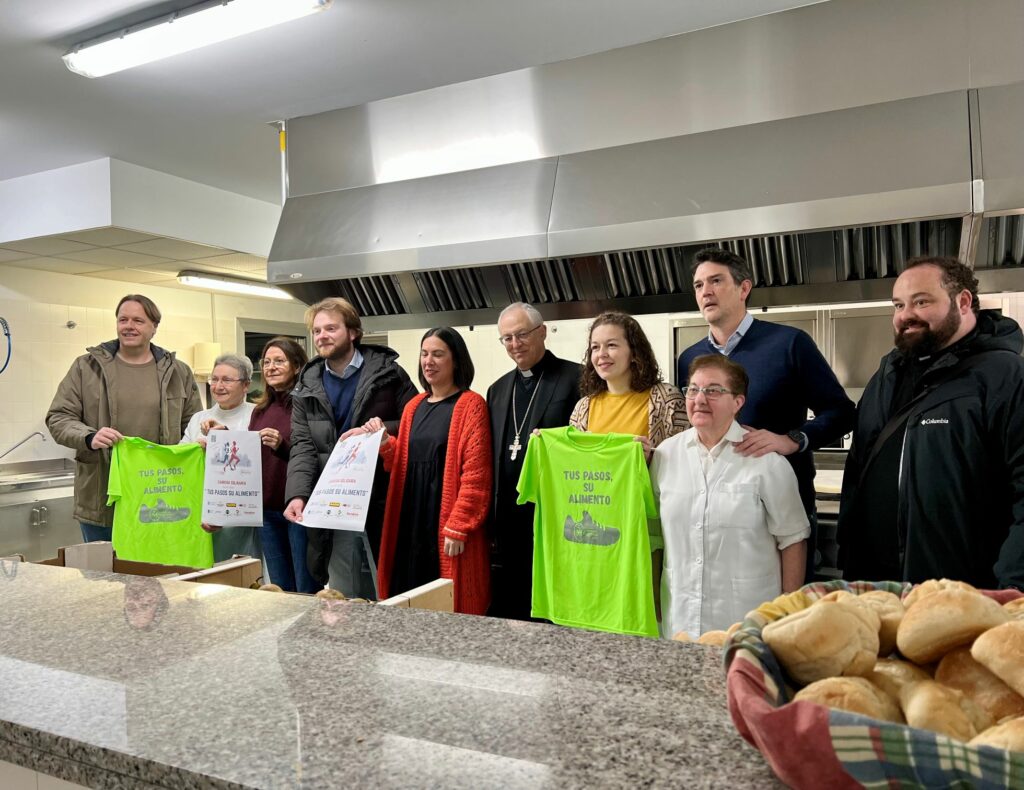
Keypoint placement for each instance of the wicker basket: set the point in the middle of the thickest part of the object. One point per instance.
(811, 746)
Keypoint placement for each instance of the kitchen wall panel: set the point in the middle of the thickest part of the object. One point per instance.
(38, 305)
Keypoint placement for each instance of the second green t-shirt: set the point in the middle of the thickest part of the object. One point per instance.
(592, 555)
(157, 493)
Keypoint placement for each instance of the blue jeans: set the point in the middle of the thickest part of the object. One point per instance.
(91, 532)
(284, 551)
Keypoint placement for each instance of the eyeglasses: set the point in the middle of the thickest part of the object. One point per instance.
(213, 382)
(274, 363)
(506, 340)
(711, 392)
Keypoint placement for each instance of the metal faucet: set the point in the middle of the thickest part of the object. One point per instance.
(11, 449)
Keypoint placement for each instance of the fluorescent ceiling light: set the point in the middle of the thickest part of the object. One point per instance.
(235, 285)
(191, 28)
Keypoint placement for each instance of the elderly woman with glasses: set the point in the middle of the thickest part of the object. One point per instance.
(228, 382)
(734, 528)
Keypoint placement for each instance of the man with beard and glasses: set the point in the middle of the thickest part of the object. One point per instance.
(344, 386)
(934, 482)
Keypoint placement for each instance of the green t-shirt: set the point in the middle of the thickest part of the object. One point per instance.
(157, 491)
(591, 552)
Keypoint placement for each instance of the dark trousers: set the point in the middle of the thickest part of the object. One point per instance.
(284, 551)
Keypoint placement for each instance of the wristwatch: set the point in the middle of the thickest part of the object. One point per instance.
(800, 438)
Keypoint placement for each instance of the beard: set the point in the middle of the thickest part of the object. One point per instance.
(338, 351)
(928, 341)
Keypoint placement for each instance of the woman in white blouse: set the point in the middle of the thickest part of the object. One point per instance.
(734, 528)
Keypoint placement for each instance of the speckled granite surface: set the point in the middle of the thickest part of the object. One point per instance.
(115, 682)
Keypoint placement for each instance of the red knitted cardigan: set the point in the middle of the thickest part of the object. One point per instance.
(465, 499)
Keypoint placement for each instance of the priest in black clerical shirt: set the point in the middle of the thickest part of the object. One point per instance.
(539, 393)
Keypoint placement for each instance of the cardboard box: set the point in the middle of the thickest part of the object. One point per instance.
(99, 556)
(437, 596)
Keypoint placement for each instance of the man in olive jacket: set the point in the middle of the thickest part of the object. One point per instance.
(934, 482)
(124, 387)
(347, 384)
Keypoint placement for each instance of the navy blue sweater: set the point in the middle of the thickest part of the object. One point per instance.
(788, 376)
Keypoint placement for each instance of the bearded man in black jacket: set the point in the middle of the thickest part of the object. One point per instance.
(934, 482)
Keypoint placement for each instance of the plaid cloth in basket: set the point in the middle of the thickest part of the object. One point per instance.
(810, 746)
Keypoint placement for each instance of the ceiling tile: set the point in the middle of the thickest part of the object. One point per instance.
(108, 237)
(237, 262)
(132, 276)
(55, 265)
(173, 248)
(110, 257)
(49, 245)
(12, 255)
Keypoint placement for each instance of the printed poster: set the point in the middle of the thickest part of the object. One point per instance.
(233, 485)
(341, 498)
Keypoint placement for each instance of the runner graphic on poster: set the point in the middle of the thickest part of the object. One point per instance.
(342, 494)
(233, 484)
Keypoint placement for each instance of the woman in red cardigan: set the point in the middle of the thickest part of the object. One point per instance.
(440, 487)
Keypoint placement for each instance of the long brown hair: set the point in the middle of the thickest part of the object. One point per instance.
(643, 367)
(296, 356)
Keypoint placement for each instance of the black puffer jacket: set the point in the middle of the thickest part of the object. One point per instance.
(961, 487)
(383, 390)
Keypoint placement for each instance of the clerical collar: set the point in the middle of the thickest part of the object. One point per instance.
(537, 369)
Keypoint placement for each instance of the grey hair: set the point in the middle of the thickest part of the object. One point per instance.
(531, 312)
(241, 364)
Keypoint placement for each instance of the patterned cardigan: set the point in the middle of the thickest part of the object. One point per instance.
(465, 501)
(666, 413)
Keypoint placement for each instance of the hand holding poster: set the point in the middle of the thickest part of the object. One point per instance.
(342, 494)
(233, 485)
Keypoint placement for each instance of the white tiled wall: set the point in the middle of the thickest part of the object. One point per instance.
(38, 306)
(566, 339)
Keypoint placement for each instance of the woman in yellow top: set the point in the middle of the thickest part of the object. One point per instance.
(622, 387)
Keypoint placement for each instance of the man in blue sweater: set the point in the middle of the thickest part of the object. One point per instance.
(788, 375)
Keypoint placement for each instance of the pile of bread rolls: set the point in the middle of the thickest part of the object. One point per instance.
(946, 659)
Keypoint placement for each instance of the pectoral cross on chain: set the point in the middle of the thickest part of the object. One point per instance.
(515, 447)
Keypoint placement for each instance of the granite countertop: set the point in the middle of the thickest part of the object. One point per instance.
(115, 681)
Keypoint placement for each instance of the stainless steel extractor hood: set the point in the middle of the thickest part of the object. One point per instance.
(826, 204)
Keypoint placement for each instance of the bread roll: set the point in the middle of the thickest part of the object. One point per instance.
(682, 636)
(838, 595)
(732, 629)
(892, 675)
(1015, 608)
(271, 588)
(960, 671)
(1001, 651)
(934, 585)
(932, 706)
(856, 695)
(330, 594)
(715, 638)
(890, 611)
(943, 620)
(824, 640)
(1009, 735)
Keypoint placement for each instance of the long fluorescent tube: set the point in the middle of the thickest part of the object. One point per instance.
(216, 282)
(191, 28)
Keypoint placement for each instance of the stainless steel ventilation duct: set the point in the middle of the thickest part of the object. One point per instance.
(603, 175)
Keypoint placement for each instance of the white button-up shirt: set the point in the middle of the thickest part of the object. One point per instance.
(724, 520)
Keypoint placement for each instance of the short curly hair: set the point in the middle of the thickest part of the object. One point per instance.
(956, 276)
(736, 374)
(643, 366)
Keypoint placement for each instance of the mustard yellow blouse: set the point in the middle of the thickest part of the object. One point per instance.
(627, 413)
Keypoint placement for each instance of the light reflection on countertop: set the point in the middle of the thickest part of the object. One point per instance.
(171, 684)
